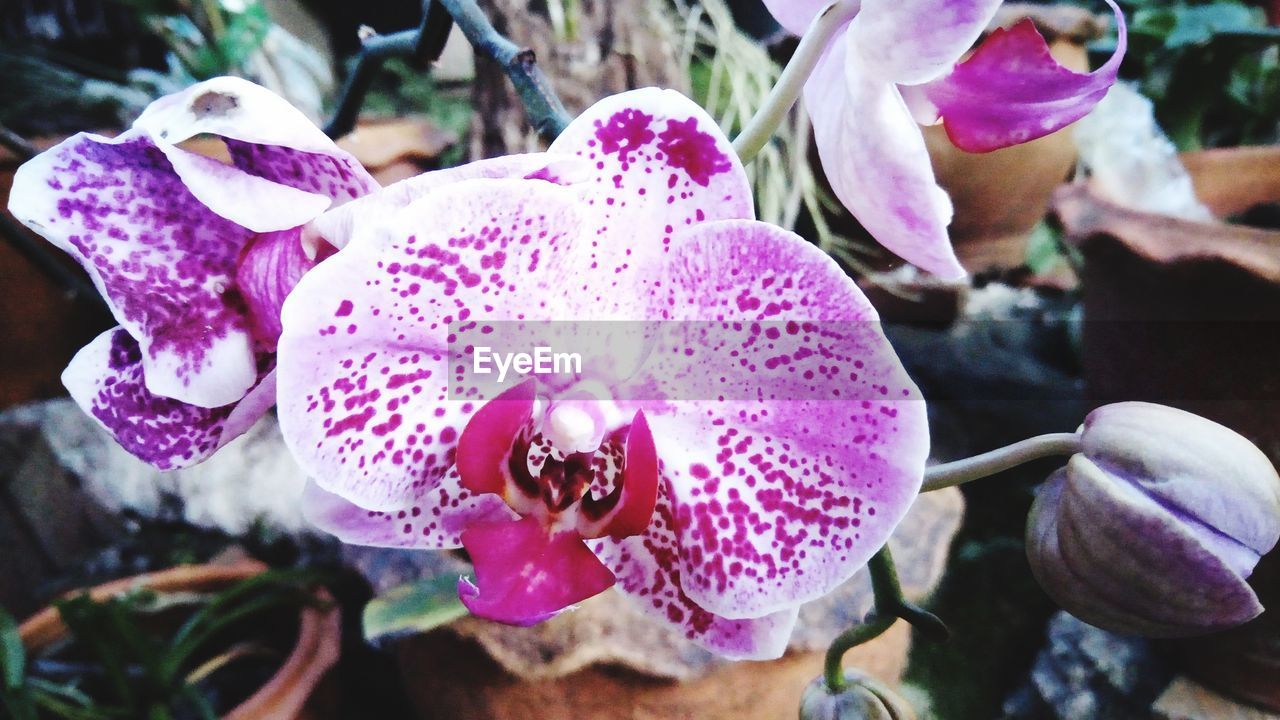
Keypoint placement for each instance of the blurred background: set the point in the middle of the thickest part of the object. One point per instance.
(1135, 255)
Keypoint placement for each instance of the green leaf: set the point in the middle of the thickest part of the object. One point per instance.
(13, 657)
(413, 608)
(1198, 25)
(245, 34)
(1044, 251)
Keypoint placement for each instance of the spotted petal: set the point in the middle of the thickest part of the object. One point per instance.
(161, 258)
(648, 570)
(366, 214)
(365, 401)
(1012, 90)
(877, 163)
(913, 41)
(661, 165)
(267, 137)
(433, 519)
(779, 500)
(105, 379)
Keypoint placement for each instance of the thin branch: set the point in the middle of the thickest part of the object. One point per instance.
(542, 106)
(425, 44)
(36, 252)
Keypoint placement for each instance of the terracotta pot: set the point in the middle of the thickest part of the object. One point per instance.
(449, 678)
(1000, 196)
(295, 692)
(1186, 314)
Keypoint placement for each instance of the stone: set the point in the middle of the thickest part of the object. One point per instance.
(1085, 673)
(253, 479)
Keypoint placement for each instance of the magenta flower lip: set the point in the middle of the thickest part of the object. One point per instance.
(718, 516)
(901, 62)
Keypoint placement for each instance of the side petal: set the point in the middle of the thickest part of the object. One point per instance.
(914, 41)
(106, 380)
(1012, 91)
(269, 268)
(795, 15)
(628, 508)
(266, 135)
(526, 574)
(432, 520)
(876, 160)
(786, 476)
(339, 225)
(247, 200)
(161, 258)
(648, 570)
(485, 446)
(366, 400)
(660, 164)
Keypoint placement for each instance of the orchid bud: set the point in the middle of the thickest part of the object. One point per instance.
(1154, 526)
(863, 698)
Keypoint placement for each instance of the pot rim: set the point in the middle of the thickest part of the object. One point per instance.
(282, 697)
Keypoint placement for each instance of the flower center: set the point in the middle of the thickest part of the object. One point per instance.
(562, 464)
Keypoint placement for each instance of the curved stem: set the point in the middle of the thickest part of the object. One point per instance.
(833, 669)
(824, 27)
(890, 605)
(959, 472)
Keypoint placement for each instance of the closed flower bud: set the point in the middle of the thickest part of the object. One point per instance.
(864, 698)
(1154, 527)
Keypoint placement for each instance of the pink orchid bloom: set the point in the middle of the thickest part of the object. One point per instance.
(193, 256)
(899, 62)
(719, 516)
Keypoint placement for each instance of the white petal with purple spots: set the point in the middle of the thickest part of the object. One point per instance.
(161, 258)
(105, 379)
(365, 403)
(431, 520)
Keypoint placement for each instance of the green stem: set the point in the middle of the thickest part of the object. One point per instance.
(833, 672)
(890, 605)
(960, 472)
(762, 126)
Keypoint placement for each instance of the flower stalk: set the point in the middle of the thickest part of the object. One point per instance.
(977, 467)
(784, 95)
(890, 606)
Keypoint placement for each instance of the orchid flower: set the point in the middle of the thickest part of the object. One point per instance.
(898, 62)
(719, 516)
(193, 256)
